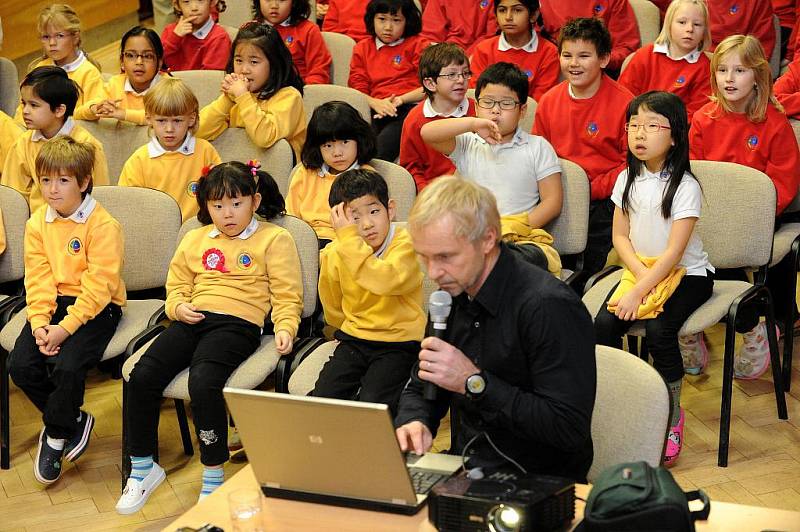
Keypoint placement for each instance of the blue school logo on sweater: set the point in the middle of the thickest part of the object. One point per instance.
(529, 74)
(752, 142)
(592, 129)
(74, 246)
(598, 9)
(244, 261)
(396, 60)
(680, 81)
(484, 4)
(734, 9)
(289, 40)
(191, 189)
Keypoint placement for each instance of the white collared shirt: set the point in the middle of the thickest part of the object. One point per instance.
(691, 57)
(388, 240)
(461, 109)
(203, 31)
(72, 67)
(129, 88)
(325, 169)
(80, 216)
(155, 149)
(380, 44)
(529, 47)
(251, 228)
(66, 129)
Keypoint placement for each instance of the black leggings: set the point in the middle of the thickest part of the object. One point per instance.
(388, 130)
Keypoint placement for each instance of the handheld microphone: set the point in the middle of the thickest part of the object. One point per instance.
(439, 309)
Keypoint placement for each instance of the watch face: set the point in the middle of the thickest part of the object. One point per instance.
(476, 384)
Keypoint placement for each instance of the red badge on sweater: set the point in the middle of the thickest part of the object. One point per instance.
(214, 259)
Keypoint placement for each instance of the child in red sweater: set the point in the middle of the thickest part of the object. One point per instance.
(584, 119)
(787, 89)
(520, 44)
(302, 37)
(745, 124)
(346, 17)
(444, 72)
(195, 41)
(385, 67)
(675, 62)
(463, 22)
(616, 14)
(751, 17)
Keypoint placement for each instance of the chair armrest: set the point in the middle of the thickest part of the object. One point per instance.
(158, 316)
(605, 272)
(12, 307)
(289, 362)
(142, 338)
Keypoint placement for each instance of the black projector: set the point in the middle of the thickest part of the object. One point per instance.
(502, 502)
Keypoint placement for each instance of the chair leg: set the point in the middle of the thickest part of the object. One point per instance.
(788, 327)
(183, 423)
(633, 345)
(775, 361)
(727, 391)
(125, 462)
(5, 421)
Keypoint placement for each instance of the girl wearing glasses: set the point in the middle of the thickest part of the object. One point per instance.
(142, 61)
(60, 33)
(667, 274)
(519, 43)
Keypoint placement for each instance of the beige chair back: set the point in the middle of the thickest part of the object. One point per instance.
(9, 86)
(15, 215)
(570, 229)
(648, 18)
(236, 13)
(638, 431)
(119, 139)
(234, 145)
(150, 221)
(530, 113)
(230, 30)
(204, 83)
(316, 95)
(625, 63)
(341, 49)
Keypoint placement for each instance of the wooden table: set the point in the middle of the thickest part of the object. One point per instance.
(290, 515)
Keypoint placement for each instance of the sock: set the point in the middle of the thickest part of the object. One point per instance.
(675, 398)
(213, 477)
(141, 466)
(55, 443)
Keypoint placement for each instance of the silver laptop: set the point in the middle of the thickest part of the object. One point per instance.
(332, 451)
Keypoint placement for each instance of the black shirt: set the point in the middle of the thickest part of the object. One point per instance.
(533, 338)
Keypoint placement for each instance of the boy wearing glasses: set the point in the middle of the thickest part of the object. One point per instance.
(521, 170)
(584, 119)
(444, 73)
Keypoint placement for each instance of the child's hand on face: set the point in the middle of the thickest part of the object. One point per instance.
(283, 342)
(487, 130)
(187, 313)
(340, 217)
(235, 85)
(383, 107)
(183, 27)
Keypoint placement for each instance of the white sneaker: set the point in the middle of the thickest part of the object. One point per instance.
(136, 493)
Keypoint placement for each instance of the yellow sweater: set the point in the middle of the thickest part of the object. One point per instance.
(88, 78)
(307, 199)
(266, 121)
(9, 133)
(130, 101)
(172, 172)
(372, 298)
(19, 171)
(515, 228)
(244, 278)
(65, 258)
(654, 304)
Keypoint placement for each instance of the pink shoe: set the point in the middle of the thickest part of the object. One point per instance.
(674, 442)
(694, 353)
(752, 359)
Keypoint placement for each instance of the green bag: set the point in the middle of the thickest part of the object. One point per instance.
(635, 496)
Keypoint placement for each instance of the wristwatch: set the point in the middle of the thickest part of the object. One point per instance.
(475, 386)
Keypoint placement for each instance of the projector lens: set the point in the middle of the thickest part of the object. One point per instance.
(503, 518)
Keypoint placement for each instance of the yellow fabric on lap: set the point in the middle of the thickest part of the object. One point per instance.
(654, 304)
(515, 228)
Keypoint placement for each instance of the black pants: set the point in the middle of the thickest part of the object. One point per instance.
(598, 243)
(388, 130)
(662, 331)
(379, 369)
(212, 349)
(530, 253)
(59, 395)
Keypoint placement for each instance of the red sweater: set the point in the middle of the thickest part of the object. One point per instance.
(463, 22)
(651, 71)
(422, 161)
(309, 52)
(662, 6)
(769, 146)
(392, 70)
(786, 11)
(347, 17)
(542, 66)
(787, 89)
(731, 17)
(190, 53)
(589, 132)
(617, 15)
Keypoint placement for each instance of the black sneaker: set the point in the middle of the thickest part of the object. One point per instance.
(78, 443)
(47, 467)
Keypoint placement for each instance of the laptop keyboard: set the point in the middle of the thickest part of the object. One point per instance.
(424, 480)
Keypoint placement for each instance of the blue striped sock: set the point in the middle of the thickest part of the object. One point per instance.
(141, 466)
(213, 477)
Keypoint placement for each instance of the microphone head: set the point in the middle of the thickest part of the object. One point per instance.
(439, 306)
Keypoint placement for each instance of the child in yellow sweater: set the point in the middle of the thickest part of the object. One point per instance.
(74, 291)
(223, 282)
(48, 102)
(174, 158)
(141, 59)
(262, 92)
(370, 285)
(338, 139)
(10, 131)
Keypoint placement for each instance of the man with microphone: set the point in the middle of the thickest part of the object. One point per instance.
(515, 364)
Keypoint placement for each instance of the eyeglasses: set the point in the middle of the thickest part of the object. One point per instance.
(505, 105)
(650, 127)
(455, 76)
(147, 57)
(60, 36)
